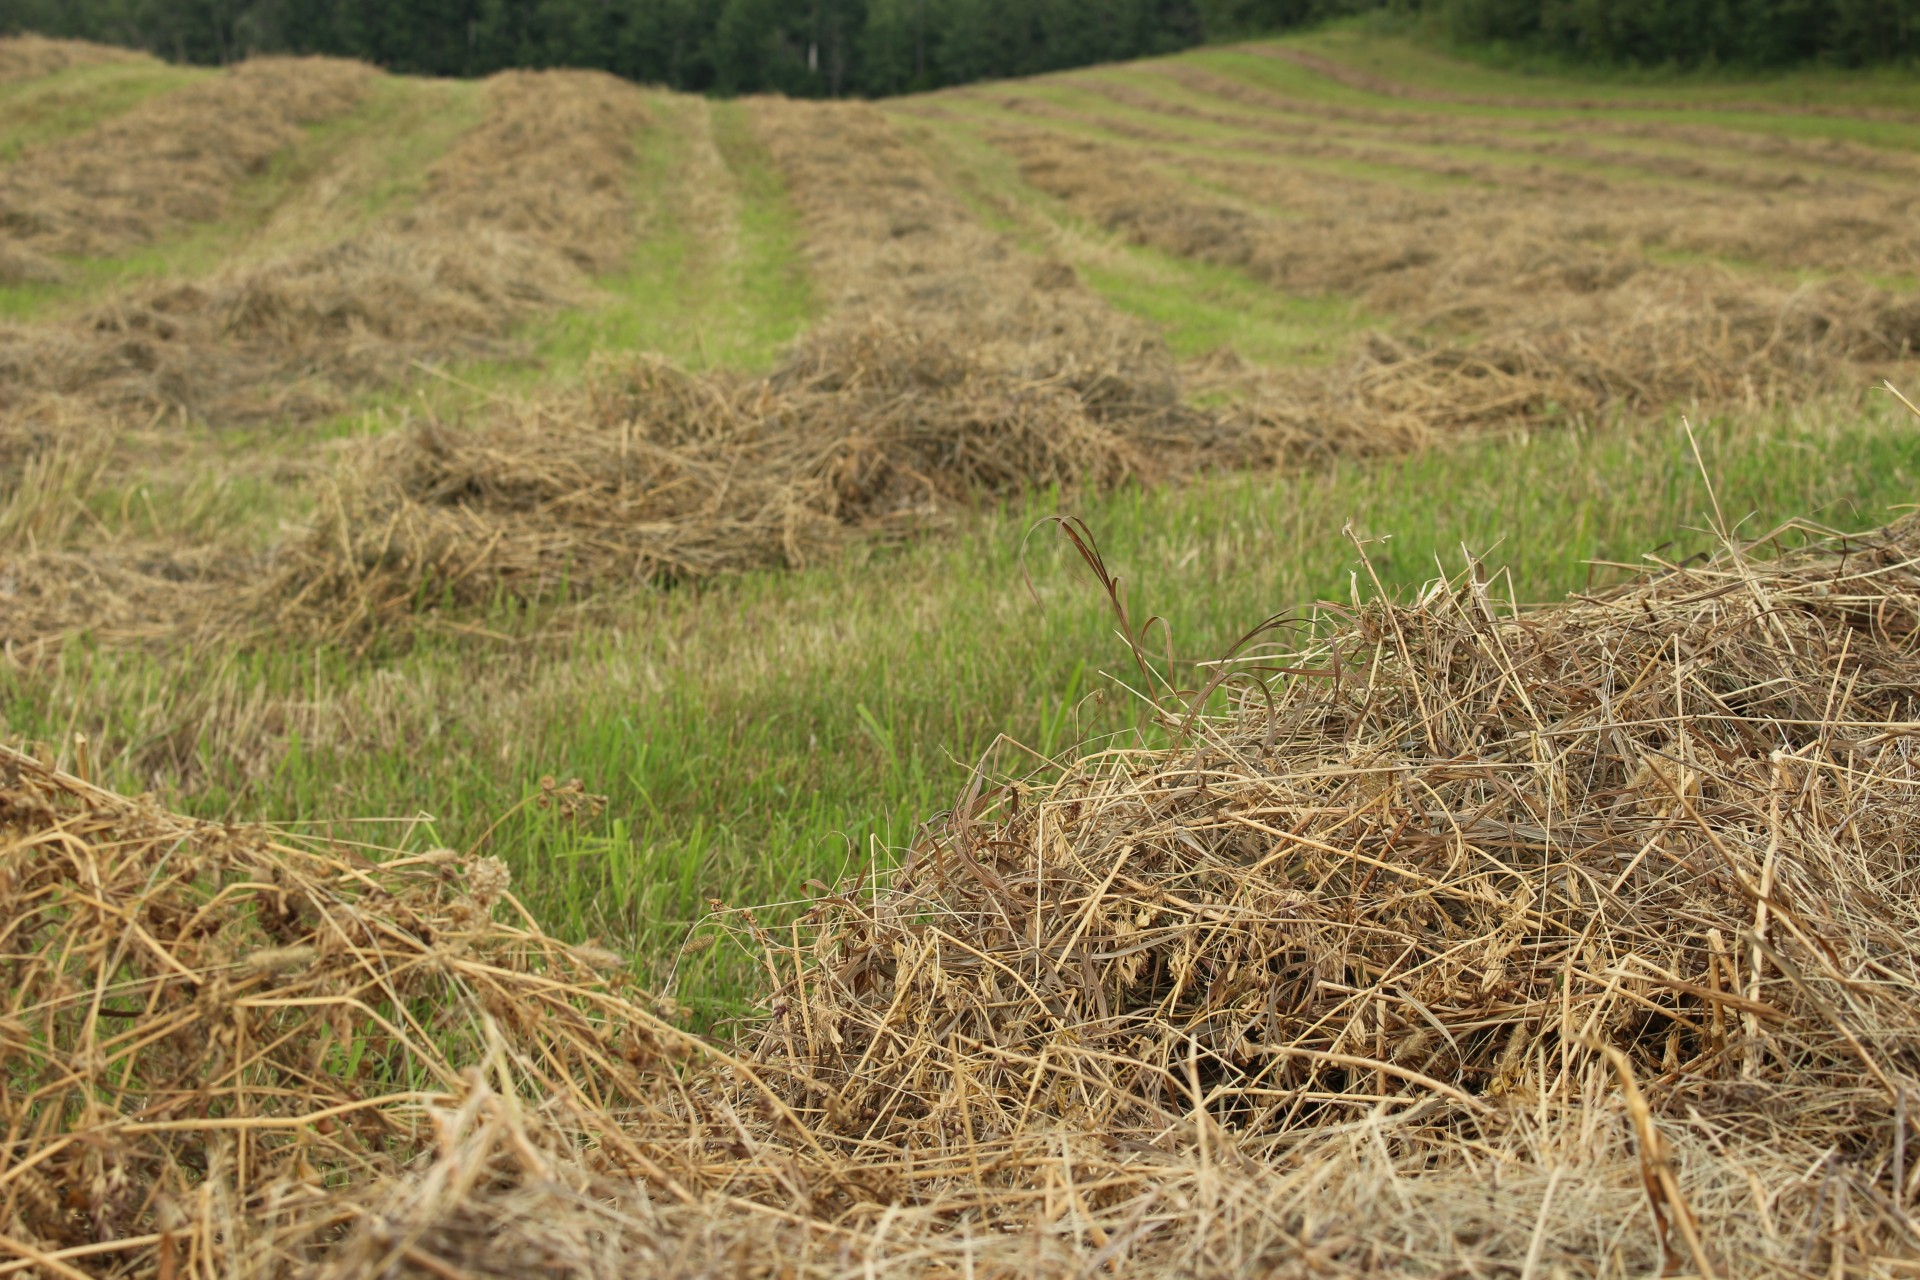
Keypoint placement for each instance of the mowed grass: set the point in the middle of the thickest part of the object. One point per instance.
(1198, 308)
(342, 175)
(760, 732)
(48, 108)
(756, 733)
(716, 280)
(1709, 99)
(1370, 46)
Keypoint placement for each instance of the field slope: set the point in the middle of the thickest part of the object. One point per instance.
(641, 500)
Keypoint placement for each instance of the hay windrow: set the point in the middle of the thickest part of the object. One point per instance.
(655, 475)
(171, 161)
(1616, 896)
(1503, 313)
(513, 221)
(28, 57)
(1356, 78)
(955, 368)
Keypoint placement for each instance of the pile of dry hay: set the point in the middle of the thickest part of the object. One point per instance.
(217, 1040)
(652, 474)
(1580, 941)
(171, 160)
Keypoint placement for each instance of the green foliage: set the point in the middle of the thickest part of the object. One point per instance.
(827, 48)
(1689, 33)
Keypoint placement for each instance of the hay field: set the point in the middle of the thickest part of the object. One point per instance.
(544, 732)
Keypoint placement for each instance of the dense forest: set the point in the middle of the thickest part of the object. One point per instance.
(816, 48)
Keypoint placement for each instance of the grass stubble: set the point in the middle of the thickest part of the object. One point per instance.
(1581, 934)
(1570, 938)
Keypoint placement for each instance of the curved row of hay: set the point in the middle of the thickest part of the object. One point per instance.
(170, 161)
(651, 474)
(28, 57)
(512, 220)
(1507, 310)
(1576, 941)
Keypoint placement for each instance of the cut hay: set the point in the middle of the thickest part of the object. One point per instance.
(218, 1039)
(1503, 312)
(954, 369)
(28, 57)
(1578, 940)
(171, 161)
(653, 475)
(511, 222)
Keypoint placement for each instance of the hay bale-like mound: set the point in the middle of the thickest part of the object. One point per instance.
(1449, 880)
(216, 1043)
(654, 474)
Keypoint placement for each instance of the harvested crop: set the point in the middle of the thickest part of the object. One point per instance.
(1615, 897)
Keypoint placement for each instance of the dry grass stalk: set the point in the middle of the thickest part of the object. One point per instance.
(1574, 940)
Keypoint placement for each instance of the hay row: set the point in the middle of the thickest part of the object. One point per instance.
(29, 57)
(1577, 940)
(954, 368)
(1553, 316)
(1435, 145)
(1356, 78)
(512, 221)
(1429, 191)
(1820, 153)
(171, 161)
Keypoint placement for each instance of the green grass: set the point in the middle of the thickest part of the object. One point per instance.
(716, 280)
(1199, 308)
(48, 108)
(768, 729)
(1710, 100)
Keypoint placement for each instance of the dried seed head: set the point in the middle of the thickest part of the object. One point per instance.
(282, 959)
(487, 880)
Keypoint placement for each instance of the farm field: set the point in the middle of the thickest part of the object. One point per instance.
(605, 532)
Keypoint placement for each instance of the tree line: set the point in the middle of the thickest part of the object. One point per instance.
(1693, 33)
(805, 48)
(832, 48)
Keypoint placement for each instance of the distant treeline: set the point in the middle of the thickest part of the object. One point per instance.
(1692, 33)
(820, 48)
(799, 47)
